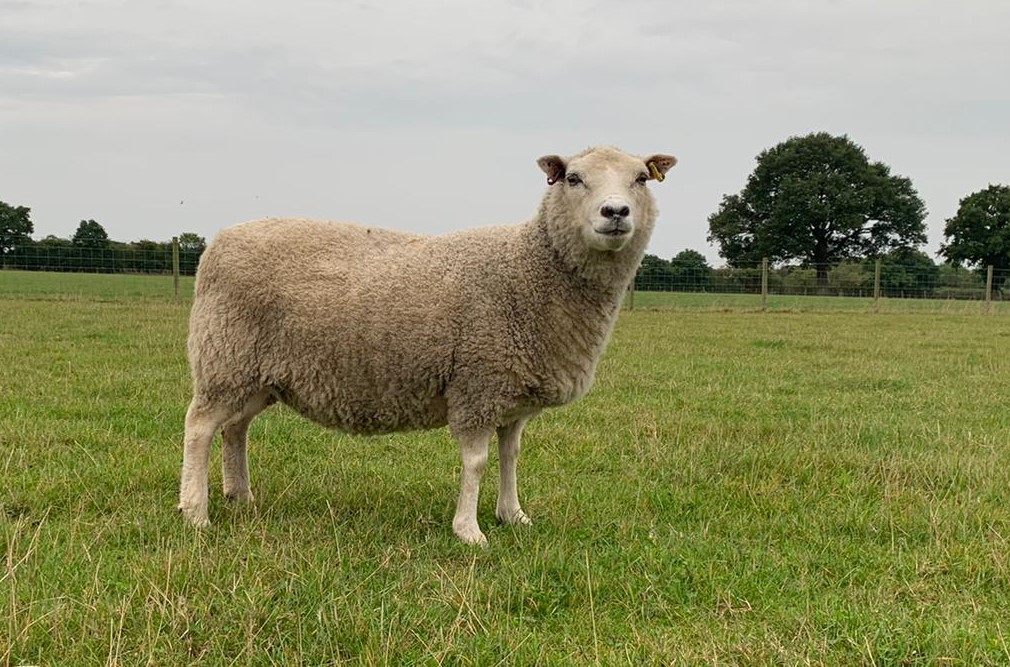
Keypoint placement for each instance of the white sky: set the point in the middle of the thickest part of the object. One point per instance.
(160, 117)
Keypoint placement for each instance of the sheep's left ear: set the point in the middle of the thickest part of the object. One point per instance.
(554, 166)
(659, 164)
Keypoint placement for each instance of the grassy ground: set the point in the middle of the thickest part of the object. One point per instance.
(39, 285)
(739, 488)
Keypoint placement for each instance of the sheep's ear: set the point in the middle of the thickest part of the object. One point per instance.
(659, 164)
(554, 166)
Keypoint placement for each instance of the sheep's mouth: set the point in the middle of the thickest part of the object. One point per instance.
(613, 229)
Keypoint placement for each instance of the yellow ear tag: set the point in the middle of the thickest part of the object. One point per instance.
(656, 173)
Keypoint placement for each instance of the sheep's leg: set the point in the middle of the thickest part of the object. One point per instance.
(473, 448)
(509, 510)
(202, 421)
(234, 458)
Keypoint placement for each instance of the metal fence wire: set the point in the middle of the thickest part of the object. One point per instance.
(146, 258)
(864, 279)
(851, 279)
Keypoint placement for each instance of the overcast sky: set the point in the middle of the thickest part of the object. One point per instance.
(156, 118)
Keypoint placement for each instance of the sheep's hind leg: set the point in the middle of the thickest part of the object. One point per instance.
(202, 421)
(234, 456)
(508, 509)
(473, 448)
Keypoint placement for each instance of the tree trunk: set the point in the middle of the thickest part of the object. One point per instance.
(822, 278)
(821, 261)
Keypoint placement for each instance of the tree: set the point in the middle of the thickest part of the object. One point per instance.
(958, 282)
(15, 227)
(979, 234)
(148, 256)
(849, 278)
(90, 234)
(690, 271)
(907, 272)
(191, 247)
(53, 241)
(819, 200)
(653, 275)
(190, 242)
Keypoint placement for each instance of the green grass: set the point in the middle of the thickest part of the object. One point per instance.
(40, 285)
(740, 488)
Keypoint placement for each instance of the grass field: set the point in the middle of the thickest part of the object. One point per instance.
(740, 488)
(38, 285)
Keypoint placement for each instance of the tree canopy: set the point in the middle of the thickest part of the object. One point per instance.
(979, 233)
(90, 234)
(688, 271)
(817, 199)
(908, 270)
(189, 241)
(15, 227)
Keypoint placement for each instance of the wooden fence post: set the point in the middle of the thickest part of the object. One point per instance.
(175, 263)
(988, 290)
(764, 283)
(876, 286)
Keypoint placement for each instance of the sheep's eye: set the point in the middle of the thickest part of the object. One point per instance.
(642, 178)
(573, 179)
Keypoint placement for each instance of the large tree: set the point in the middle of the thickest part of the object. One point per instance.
(907, 272)
(690, 270)
(15, 228)
(91, 234)
(817, 199)
(979, 234)
(654, 274)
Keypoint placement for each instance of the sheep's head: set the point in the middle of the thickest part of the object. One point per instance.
(604, 189)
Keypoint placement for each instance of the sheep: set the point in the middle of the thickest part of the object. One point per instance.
(372, 331)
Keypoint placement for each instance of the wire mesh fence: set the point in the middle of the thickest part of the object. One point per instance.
(138, 258)
(944, 287)
(111, 271)
(158, 270)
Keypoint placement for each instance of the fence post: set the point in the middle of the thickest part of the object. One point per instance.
(631, 294)
(876, 286)
(988, 290)
(175, 263)
(764, 283)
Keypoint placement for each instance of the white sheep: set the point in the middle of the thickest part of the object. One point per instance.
(373, 331)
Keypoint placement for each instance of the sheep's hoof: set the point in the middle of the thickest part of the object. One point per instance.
(471, 535)
(195, 517)
(516, 518)
(245, 496)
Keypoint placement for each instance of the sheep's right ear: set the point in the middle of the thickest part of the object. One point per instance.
(554, 166)
(659, 164)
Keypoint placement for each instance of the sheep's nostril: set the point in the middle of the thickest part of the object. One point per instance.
(611, 212)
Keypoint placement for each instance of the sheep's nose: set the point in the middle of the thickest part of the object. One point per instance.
(609, 211)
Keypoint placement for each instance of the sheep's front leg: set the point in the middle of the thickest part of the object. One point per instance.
(509, 510)
(473, 448)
